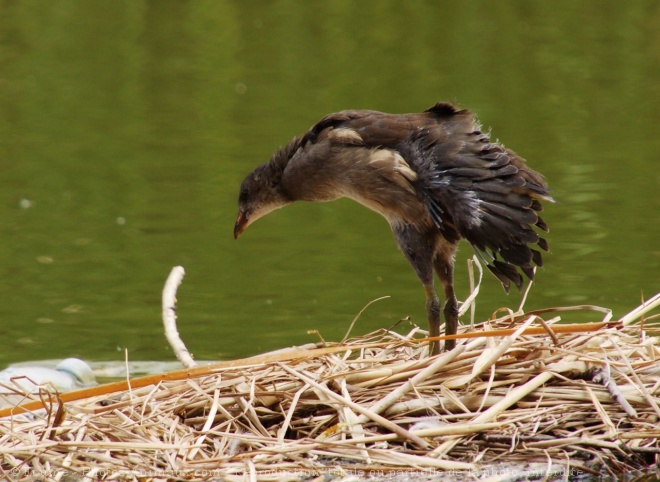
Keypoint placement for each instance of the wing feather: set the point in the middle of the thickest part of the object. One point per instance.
(486, 192)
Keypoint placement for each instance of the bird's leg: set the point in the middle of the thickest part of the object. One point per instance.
(418, 249)
(433, 315)
(451, 316)
(444, 267)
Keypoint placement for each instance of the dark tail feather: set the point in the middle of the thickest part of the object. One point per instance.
(506, 282)
(541, 224)
(529, 271)
(510, 272)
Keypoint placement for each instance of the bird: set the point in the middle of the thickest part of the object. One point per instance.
(434, 176)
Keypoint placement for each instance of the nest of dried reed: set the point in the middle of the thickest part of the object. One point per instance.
(517, 389)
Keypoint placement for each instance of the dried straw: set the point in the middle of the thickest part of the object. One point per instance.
(377, 402)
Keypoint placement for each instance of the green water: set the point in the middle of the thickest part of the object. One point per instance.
(126, 128)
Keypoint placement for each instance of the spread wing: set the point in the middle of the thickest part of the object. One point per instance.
(482, 192)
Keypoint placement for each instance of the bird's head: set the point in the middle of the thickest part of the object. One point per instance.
(261, 193)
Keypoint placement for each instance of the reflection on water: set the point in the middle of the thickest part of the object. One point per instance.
(583, 196)
(126, 129)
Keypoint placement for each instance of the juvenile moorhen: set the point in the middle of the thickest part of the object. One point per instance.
(434, 176)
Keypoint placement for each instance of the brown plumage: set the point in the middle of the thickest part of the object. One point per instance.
(434, 176)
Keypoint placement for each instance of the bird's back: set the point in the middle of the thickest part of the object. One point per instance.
(383, 130)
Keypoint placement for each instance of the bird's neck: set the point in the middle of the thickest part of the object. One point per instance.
(306, 182)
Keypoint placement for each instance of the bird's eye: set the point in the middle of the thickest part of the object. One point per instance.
(243, 196)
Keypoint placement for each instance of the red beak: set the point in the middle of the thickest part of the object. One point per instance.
(241, 224)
